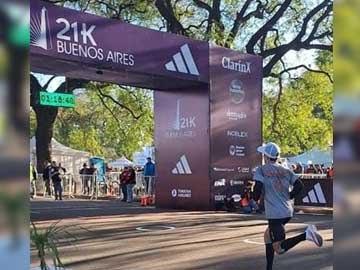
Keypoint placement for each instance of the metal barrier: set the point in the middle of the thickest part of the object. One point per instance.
(87, 185)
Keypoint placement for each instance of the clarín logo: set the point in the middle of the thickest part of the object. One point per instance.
(40, 30)
(238, 66)
(183, 62)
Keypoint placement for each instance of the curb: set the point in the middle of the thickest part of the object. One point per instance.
(314, 210)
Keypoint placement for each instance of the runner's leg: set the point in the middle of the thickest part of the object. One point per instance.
(269, 250)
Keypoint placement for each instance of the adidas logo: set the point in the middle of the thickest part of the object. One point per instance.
(183, 62)
(182, 167)
(39, 30)
(315, 195)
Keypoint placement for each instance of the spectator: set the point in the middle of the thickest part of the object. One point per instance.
(330, 172)
(56, 179)
(61, 168)
(84, 179)
(91, 174)
(298, 168)
(149, 173)
(310, 169)
(123, 179)
(130, 182)
(318, 169)
(46, 178)
(247, 203)
(33, 175)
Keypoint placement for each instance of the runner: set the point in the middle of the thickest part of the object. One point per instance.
(274, 181)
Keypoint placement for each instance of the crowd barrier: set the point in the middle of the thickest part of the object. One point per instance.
(88, 185)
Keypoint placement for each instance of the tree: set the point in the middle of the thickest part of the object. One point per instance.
(45, 117)
(300, 117)
(108, 120)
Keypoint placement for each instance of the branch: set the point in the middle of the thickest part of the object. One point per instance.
(165, 9)
(119, 104)
(48, 82)
(276, 105)
(305, 67)
(266, 27)
(203, 5)
(238, 21)
(107, 107)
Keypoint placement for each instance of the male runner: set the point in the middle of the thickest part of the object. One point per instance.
(275, 181)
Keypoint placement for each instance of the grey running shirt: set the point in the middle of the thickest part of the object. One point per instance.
(277, 182)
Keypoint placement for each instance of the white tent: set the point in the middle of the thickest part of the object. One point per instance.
(69, 158)
(121, 162)
(316, 156)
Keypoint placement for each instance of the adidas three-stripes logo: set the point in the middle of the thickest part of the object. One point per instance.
(183, 62)
(315, 195)
(182, 167)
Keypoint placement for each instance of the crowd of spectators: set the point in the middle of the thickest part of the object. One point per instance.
(311, 168)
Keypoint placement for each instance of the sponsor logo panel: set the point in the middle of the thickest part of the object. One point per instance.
(315, 195)
(183, 125)
(183, 62)
(237, 134)
(182, 166)
(73, 39)
(237, 150)
(181, 193)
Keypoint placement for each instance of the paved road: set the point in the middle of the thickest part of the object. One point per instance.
(116, 235)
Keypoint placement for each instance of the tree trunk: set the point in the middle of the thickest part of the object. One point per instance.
(45, 117)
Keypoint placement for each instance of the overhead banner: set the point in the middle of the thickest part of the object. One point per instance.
(235, 124)
(182, 149)
(71, 36)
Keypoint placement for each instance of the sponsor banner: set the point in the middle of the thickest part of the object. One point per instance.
(74, 36)
(182, 148)
(236, 117)
(317, 192)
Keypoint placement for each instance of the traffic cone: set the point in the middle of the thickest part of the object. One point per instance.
(143, 201)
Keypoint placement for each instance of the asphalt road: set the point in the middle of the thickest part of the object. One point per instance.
(117, 235)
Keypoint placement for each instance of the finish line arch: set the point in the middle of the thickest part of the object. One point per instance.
(207, 105)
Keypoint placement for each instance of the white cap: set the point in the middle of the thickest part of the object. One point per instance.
(271, 150)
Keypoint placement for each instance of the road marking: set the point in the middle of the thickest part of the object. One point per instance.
(249, 241)
(143, 229)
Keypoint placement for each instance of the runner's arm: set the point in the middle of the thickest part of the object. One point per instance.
(257, 190)
(297, 188)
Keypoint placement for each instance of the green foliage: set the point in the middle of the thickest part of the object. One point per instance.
(346, 47)
(108, 120)
(304, 116)
(46, 242)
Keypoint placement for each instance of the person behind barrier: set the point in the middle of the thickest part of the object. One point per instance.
(149, 173)
(32, 181)
(46, 177)
(91, 174)
(123, 179)
(84, 179)
(130, 183)
(56, 179)
(275, 181)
